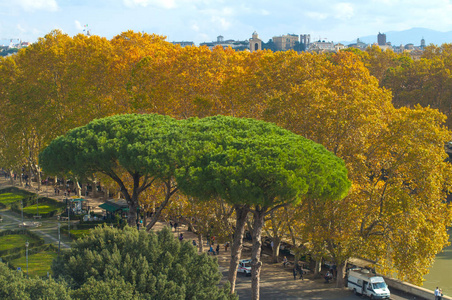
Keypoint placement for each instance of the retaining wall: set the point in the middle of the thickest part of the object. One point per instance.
(419, 292)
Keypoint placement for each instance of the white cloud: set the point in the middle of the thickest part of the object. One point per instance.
(194, 26)
(167, 4)
(33, 5)
(21, 29)
(316, 15)
(343, 11)
(222, 22)
(78, 26)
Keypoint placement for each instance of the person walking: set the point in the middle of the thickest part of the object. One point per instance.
(294, 270)
(300, 269)
(436, 293)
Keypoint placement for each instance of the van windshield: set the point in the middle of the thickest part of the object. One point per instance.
(379, 285)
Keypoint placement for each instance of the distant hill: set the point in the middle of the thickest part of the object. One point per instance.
(413, 36)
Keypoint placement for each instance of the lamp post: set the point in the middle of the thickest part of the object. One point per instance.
(69, 218)
(59, 238)
(22, 211)
(37, 206)
(26, 254)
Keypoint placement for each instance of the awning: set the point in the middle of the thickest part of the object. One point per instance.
(108, 207)
(113, 207)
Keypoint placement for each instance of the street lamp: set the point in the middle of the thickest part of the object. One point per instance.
(59, 238)
(26, 254)
(69, 218)
(22, 211)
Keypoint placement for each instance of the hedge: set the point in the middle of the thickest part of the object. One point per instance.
(60, 206)
(39, 240)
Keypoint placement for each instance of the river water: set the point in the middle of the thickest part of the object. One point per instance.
(441, 272)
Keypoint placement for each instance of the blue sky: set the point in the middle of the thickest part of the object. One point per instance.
(204, 20)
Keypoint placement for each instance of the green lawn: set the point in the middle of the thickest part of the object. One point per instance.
(38, 264)
(43, 208)
(9, 198)
(12, 241)
(78, 233)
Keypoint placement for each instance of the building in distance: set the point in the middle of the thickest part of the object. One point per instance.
(183, 43)
(236, 45)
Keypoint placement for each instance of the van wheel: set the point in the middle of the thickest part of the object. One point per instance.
(355, 292)
(371, 297)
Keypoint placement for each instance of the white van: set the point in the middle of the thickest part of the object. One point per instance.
(366, 283)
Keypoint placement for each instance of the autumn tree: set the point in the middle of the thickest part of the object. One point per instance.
(347, 112)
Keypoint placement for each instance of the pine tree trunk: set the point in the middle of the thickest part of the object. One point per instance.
(256, 263)
(132, 214)
(241, 212)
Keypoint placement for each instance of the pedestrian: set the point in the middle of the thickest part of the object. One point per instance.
(211, 250)
(300, 269)
(226, 246)
(436, 293)
(171, 225)
(175, 226)
(181, 237)
(218, 249)
(294, 270)
(194, 243)
(440, 294)
(285, 262)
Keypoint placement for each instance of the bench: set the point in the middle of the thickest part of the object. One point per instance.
(64, 218)
(37, 217)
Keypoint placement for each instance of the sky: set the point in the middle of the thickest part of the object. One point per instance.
(203, 20)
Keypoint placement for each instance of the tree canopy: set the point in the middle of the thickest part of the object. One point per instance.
(139, 265)
(129, 145)
(259, 165)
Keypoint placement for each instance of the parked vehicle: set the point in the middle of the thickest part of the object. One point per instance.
(366, 283)
(245, 267)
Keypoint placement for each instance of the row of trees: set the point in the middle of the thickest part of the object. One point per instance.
(395, 212)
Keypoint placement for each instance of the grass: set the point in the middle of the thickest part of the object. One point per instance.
(38, 264)
(43, 208)
(12, 241)
(78, 233)
(9, 198)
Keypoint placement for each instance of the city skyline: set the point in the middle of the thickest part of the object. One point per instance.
(203, 20)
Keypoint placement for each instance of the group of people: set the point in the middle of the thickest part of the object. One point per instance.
(214, 252)
(297, 269)
(438, 294)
